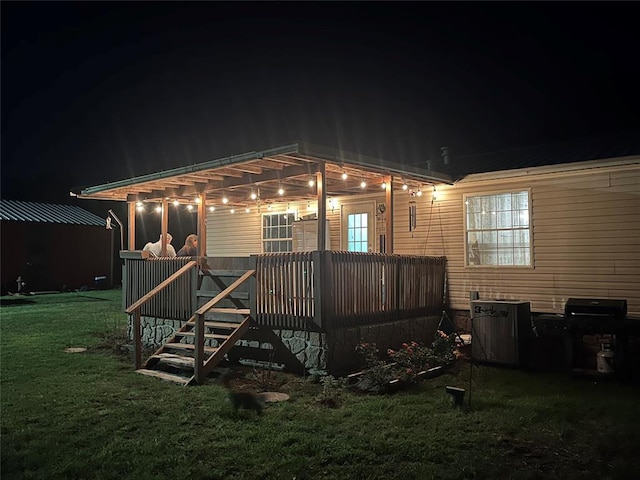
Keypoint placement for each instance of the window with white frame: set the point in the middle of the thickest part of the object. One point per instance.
(277, 232)
(498, 230)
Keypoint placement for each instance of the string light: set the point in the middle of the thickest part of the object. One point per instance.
(232, 211)
(311, 182)
(225, 200)
(140, 207)
(405, 186)
(254, 195)
(281, 191)
(158, 209)
(176, 203)
(269, 207)
(247, 209)
(197, 200)
(384, 185)
(189, 207)
(212, 208)
(344, 175)
(363, 184)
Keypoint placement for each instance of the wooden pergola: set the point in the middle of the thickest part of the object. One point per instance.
(296, 172)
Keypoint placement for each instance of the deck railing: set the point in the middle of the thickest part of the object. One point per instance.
(141, 275)
(329, 290)
(321, 290)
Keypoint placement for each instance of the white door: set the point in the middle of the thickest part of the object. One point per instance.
(358, 226)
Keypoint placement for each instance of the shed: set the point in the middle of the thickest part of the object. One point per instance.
(52, 247)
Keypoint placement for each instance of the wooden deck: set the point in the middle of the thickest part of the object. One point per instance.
(321, 290)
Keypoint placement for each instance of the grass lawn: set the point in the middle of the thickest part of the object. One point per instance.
(88, 415)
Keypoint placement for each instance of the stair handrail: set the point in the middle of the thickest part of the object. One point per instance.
(200, 372)
(135, 307)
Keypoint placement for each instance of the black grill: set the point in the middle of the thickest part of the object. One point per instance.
(577, 309)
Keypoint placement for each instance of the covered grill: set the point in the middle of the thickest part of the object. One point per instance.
(592, 316)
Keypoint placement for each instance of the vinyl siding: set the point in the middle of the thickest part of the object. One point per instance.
(585, 230)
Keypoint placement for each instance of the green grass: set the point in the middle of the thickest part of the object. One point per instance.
(89, 416)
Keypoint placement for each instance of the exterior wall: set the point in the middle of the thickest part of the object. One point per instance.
(52, 256)
(240, 234)
(585, 230)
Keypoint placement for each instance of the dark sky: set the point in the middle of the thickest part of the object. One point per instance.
(95, 92)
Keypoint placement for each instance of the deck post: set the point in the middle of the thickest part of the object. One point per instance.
(389, 224)
(201, 228)
(131, 227)
(322, 206)
(199, 350)
(137, 339)
(323, 287)
(164, 226)
(253, 285)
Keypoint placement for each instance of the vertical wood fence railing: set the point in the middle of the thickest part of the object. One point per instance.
(141, 275)
(343, 289)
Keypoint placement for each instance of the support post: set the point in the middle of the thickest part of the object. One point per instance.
(137, 339)
(201, 229)
(164, 226)
(132, 225)
(199, 350)
(322, 206)
(389, 211)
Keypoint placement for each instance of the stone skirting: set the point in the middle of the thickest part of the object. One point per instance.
(332, 352)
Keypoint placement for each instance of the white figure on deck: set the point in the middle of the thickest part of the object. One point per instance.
(156, 248)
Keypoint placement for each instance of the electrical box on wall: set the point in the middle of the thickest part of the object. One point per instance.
(500, 331)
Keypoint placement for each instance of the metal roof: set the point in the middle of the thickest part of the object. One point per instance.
(19, 211)
(602, 147)
(290, 167)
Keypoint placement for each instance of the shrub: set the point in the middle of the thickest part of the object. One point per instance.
(405, 363)
(331, 394)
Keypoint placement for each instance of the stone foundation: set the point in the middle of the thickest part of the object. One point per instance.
(316, 352)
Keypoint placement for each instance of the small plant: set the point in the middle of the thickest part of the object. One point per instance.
(331, 393)
(445, 348)
(411, 359)
(377, 373)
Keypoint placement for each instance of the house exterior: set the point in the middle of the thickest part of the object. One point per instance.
(52, 247)
(539, 226)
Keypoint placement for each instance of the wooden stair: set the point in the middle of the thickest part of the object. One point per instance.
(176, 357)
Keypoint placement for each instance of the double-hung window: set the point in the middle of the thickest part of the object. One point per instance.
(277, 232)
(498, 229)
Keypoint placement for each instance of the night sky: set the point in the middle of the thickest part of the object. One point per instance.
(96, 92)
